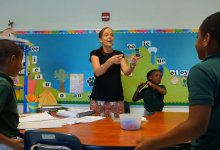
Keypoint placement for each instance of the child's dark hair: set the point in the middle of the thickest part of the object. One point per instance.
(151, 72)
(103, 29)
(7, 49)
(211, 25)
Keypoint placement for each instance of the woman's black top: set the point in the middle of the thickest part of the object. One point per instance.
(107, 87)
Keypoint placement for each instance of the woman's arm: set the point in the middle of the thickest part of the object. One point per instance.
(127, 70)
(101, 69)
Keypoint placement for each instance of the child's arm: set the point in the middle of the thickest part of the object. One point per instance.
(139, 87)
(15, 144)
(157, 87)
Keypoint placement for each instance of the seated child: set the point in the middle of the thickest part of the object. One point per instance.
(153, 93)
(10, 64)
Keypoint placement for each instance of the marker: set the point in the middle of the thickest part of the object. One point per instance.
(137, 52)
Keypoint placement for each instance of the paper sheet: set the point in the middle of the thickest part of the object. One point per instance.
(44, 120)
(85, 119)
(40, 124)
(36, 117)
(74, 113)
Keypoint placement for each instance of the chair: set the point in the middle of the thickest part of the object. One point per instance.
(44, 140)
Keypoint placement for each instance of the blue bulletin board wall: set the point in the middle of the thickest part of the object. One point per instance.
(59, 62)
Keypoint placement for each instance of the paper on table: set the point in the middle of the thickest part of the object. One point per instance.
(69, 120)
(88, 119)
(143, 119)
(45, 121)
(75, 113)
(36, 117)
(40, 124)
(85, 119)
(65, 113)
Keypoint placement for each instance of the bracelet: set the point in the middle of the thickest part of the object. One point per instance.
(132, 65)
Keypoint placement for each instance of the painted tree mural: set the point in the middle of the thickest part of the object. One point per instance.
(61, 75)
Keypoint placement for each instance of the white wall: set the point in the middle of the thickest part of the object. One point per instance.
(86, 14)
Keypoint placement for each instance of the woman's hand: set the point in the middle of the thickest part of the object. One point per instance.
(135, 59)
(116, 59)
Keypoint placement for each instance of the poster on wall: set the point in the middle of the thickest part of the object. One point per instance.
(59, 62)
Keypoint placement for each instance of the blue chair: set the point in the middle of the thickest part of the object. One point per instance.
(44, 140)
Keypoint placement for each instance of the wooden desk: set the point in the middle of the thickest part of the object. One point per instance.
(107, 132)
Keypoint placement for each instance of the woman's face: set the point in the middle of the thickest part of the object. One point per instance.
(200, 47)
(107, 38)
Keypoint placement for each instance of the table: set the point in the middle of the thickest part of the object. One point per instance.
(107, 132)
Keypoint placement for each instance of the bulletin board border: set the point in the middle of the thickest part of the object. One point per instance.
(115, 31)
(131, 103)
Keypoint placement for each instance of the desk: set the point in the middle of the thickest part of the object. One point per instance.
(107, 132)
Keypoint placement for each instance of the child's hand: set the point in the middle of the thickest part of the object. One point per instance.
(149, 83)
(16, 144)
(141, 85)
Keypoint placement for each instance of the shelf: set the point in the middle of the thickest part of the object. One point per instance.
(18, 87)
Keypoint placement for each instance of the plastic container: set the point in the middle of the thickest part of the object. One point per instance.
(33, 107)
(130, 121)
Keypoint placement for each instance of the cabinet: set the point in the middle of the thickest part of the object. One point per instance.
(23, 44)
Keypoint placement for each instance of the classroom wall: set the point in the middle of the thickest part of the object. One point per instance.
(37, 15)
(86, 14)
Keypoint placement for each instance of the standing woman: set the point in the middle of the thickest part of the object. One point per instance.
(107, 94)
